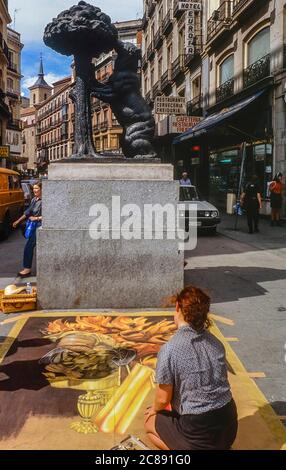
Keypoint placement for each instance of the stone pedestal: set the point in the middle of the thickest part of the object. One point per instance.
(76, 271)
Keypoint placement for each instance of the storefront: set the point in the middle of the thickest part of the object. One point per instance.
(220, 137)
(225, 166)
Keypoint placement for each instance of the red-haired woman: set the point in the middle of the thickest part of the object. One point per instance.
(191, 375)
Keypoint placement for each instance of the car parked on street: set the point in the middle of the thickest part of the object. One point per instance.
(11, 200)
(207, 216)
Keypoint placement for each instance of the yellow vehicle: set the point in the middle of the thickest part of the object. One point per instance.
(11, 199)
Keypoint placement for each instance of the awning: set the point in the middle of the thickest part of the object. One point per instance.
(216, 119)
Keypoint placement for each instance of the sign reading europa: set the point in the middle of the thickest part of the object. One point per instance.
(190, 8)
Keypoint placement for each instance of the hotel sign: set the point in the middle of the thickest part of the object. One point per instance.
(194, 6)
(190, 8)
(170, 105)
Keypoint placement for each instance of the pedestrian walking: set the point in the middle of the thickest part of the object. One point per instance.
(276, 188)
(191, 376)
(251, 201)
(185, 180)
(33, 214)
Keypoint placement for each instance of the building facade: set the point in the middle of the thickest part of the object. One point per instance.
(227, 59)
(54, 125)
(245, 59)
(172, 67)
(10, 92)
(13, 132)
(106, 129)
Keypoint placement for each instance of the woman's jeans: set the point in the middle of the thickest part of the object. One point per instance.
(29, 251)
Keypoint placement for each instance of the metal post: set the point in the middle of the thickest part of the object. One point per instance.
(243, 158)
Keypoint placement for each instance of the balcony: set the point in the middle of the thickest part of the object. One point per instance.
(13, 67)
(257, 71)
(150, 50)
(149, 97)
(178, 66)
(225, 90)
(144, 21)
(151, 8)
(157, 88)
(4, 47)
(158, 39)
(240, 7)
(14, 124)
(166, 79)
(12, 93)
(167, 23)
(195, 106)
(220, 20)
(177, 10)
(103, 126)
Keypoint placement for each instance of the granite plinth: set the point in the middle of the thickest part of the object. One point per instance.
(77, 270)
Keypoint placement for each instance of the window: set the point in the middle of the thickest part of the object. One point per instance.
(34, 98)
(10, 84)
(181, 41)
(160, 67)
(45, 96)
(169, 55)
(196, 87)
(226, 70)
(259, 46)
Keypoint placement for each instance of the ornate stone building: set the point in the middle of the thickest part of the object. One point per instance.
(10, 92)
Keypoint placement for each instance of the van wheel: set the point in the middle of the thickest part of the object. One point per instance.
(6, 226)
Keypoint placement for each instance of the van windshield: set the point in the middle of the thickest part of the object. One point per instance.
(188, 193)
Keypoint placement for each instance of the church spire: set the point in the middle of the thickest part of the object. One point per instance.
(41, 70)
(41, 82)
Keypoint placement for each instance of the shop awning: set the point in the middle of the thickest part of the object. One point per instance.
(216, 119)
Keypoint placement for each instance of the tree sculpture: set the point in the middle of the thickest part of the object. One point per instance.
(122, 92)
(85, 32)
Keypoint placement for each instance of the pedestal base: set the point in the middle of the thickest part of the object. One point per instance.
(77, 271)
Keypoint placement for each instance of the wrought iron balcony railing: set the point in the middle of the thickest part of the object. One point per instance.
(166, 79)
(220, 19)
(13, 67)
(225, 90)
(178, 66)
(151, 8)
(167, 22)
(157, 88)
(150, 49)
(257, 71)
(158, 39)
(195, 106)
(242, 5)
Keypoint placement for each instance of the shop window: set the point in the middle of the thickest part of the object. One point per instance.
(259, 46)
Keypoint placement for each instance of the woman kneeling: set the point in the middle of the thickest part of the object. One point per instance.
(191, 375)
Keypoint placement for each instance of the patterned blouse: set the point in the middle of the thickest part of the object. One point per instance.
(195, 364)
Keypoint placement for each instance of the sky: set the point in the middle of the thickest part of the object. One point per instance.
(31, 17)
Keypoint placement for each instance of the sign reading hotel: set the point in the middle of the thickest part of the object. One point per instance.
(194, 6)
(170, 105)
(190, 8)
(180, 124)
(4, 151)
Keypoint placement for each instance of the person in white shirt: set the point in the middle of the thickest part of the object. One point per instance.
(185, 180)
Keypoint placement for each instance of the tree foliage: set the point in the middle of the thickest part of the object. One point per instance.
(83, 28)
